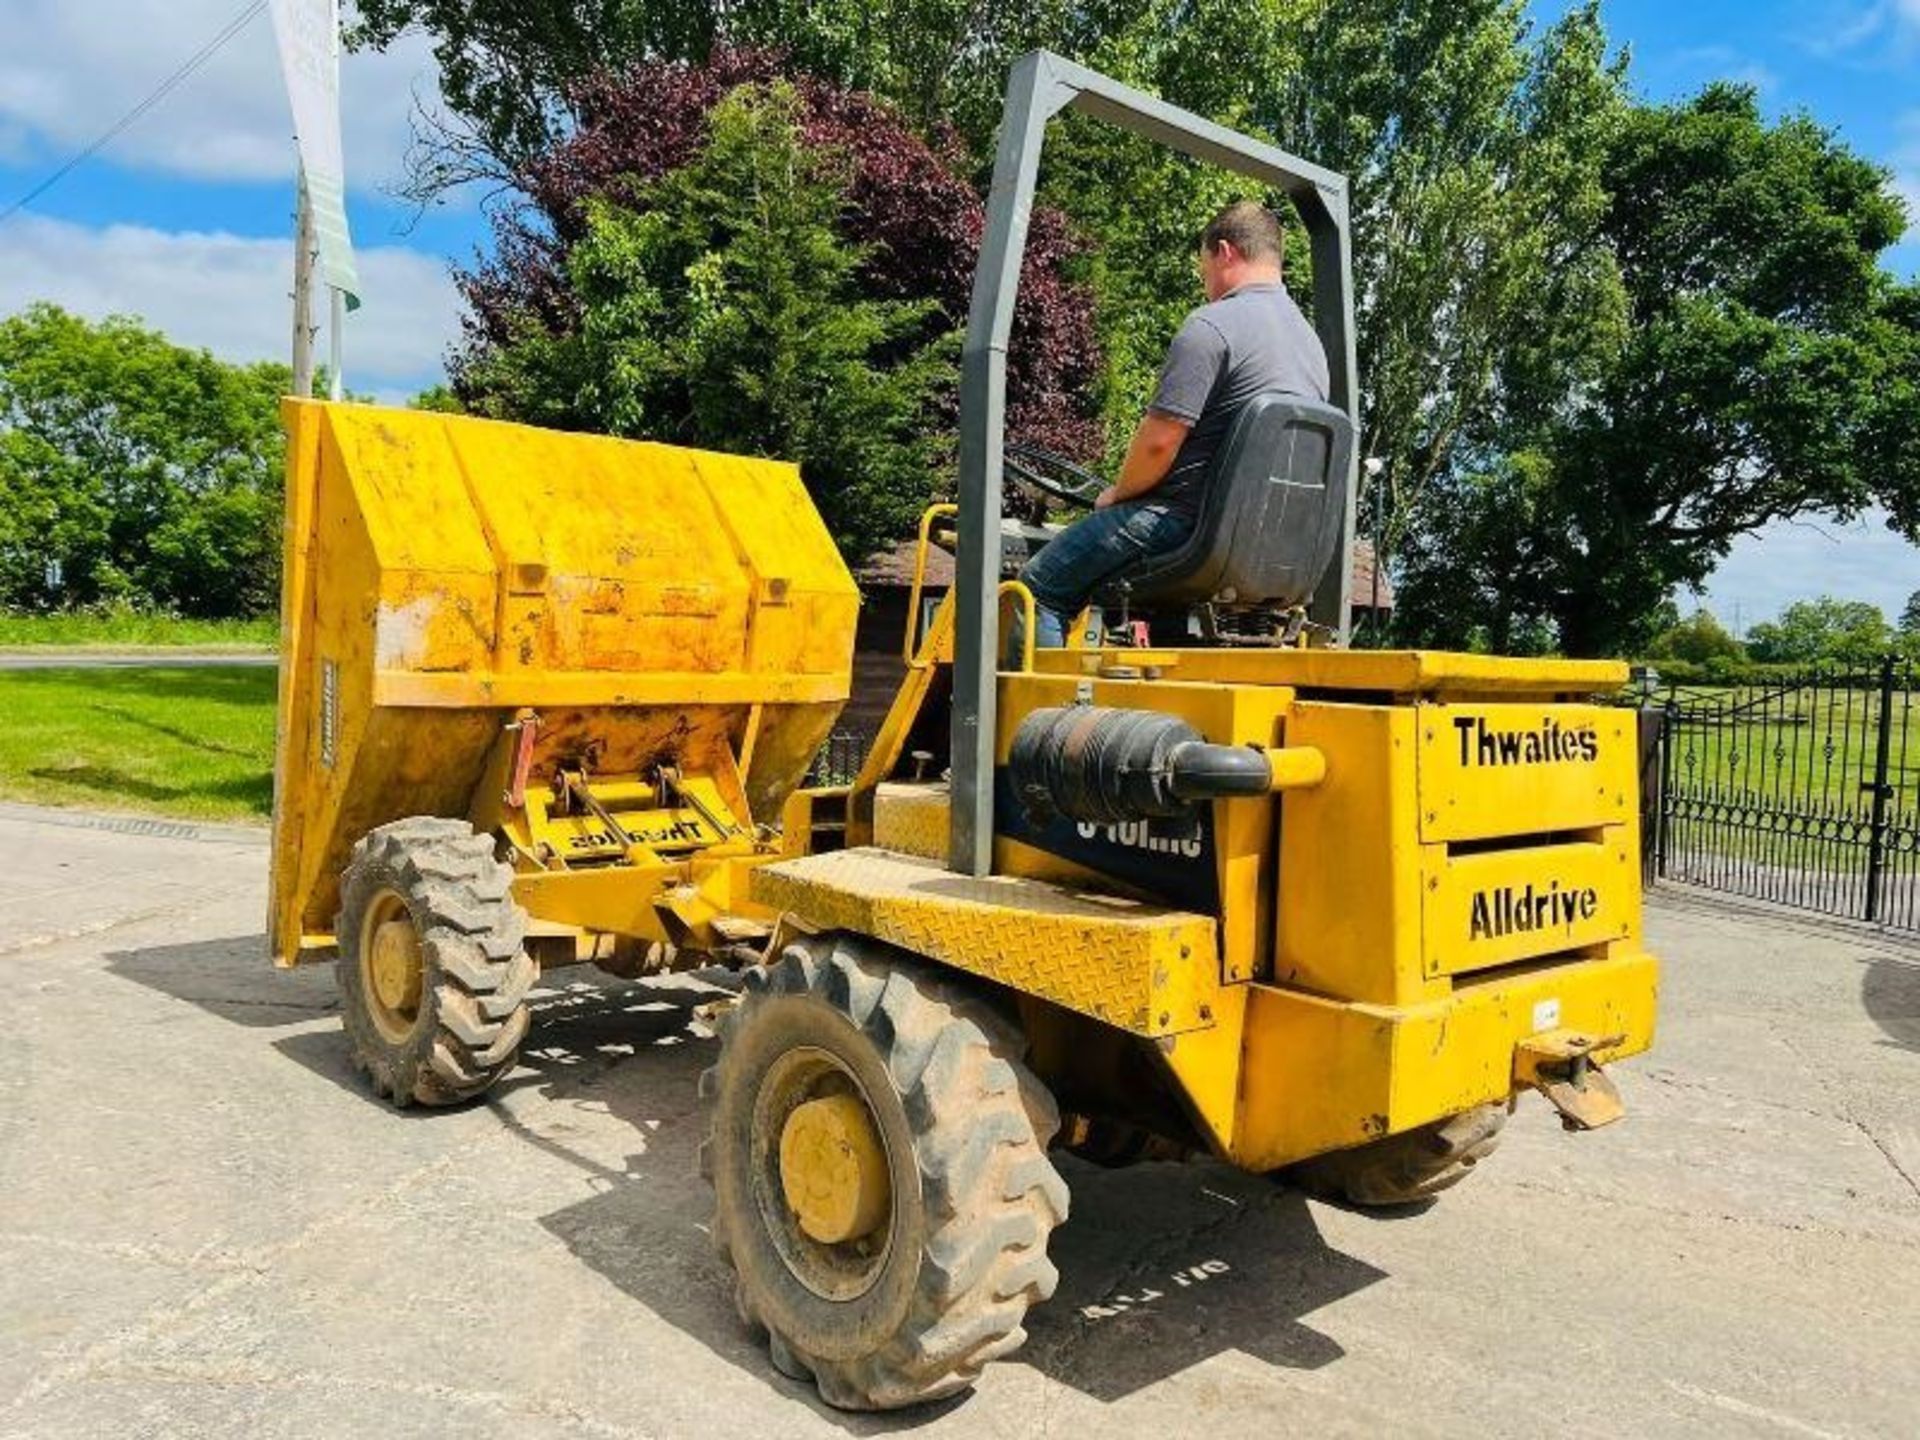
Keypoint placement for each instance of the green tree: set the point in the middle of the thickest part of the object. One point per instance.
(722, 310)
(1768, 371)
(1470, 570)
(438, 398)
(508, 69)
(1907, 632)
(1606, 337)
(1474, 151)
(151, 473)
(1485, 292)
(1826, 630)
(1699, 639)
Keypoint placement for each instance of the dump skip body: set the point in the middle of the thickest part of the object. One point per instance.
(652, 605)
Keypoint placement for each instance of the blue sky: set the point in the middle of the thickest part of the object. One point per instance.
(185, 218)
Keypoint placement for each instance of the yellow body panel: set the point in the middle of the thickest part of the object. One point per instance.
(912, 819)
(1391, 936)
(1400, 673)
(1492, 770)
(655, 604)
(1349, 924)
(1143, 968)
(1483, 910)
(1286, 1074)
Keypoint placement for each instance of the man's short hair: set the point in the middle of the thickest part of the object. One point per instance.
(1251, 229)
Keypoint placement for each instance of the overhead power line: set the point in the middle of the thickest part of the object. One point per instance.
(159, 92)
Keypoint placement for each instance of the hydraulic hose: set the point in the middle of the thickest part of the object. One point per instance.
(1105, 766)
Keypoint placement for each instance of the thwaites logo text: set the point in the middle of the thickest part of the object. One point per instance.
(1550, 744)
(1522, 909)
(677, 832)
(1137, 834)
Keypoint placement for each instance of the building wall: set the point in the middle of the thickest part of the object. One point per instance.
(877, 666)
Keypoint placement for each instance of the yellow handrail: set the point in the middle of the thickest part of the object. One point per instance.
(1025, 596)
(934, 512)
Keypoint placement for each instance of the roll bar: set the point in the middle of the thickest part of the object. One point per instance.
(1041, 85)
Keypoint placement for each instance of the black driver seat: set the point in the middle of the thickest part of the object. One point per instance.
(1271, 519)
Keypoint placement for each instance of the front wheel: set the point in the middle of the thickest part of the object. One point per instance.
(433, 970)
(881, 1183)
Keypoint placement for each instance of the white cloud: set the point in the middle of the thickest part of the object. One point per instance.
(1799, 560)
(230, 294)
(68, 71)
(1883, 31)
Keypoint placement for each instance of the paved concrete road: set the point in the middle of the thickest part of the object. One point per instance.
(207, 1227)
(26, 658)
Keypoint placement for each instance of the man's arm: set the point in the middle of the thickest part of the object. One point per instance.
(1156, 440)
(1193, 364)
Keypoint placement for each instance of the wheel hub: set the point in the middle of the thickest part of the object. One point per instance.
(396, 965)
(392, 969)
(833, 1169)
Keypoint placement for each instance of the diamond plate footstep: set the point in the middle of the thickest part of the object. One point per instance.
(1141, 967)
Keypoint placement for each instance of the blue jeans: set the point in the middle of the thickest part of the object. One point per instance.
(1092, 551)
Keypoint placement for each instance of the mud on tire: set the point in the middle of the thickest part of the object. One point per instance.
(470, 1014)
(964, 1127)
(1407, 1168)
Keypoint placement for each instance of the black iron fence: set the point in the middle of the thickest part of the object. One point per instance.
(839, 759)
(1803, 791)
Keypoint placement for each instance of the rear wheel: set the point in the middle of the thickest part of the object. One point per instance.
(433, 971)
(881, 1183)
(1407, 1168)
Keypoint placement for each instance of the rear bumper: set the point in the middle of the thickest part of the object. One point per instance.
(1320, 1074)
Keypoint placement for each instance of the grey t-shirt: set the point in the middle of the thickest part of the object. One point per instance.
(1251, 340)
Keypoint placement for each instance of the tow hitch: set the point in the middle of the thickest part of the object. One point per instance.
(1560, 1065)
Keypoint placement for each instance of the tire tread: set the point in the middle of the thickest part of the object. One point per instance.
(981, 1122)
(473, 946)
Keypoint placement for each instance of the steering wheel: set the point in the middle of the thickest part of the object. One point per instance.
(1052, 474)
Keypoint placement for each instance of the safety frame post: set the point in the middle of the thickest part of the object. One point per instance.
(1041, 86)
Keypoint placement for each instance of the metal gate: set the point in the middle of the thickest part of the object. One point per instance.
(1803, 791)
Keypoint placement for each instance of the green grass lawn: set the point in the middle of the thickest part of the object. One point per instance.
(190, 741)
(1814, 746)
(107, 631)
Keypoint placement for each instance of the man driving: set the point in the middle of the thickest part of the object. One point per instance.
(1248, 339)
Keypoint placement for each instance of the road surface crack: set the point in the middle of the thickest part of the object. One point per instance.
(1887, 1154)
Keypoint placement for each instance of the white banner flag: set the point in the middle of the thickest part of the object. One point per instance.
(309, 36)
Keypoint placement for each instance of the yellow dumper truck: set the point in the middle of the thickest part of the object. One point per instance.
(549, 699)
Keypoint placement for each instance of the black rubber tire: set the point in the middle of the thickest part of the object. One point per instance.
(965, 1128)
(1408, 1168)
(472, 1013)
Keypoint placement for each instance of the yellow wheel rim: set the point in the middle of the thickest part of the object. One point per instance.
(823, 1174)
(833, 1169)
(391, 969)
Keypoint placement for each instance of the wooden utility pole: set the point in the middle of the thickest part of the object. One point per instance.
(303, 255)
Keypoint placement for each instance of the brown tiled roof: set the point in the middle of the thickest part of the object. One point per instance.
(894, 567)
(1362, 574)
